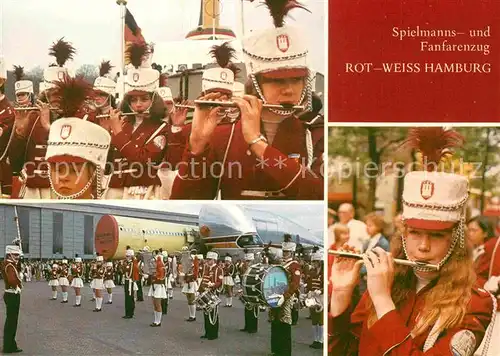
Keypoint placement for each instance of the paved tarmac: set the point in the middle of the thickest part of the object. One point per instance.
(50, 328)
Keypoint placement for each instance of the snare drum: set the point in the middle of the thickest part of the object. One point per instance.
(264, 284)
(208, 301)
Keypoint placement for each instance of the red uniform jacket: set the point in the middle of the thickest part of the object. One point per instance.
(293, 269)
(229, 270)
(314, 280)
(64, 271)
(349, 334)
(488, 264)
(135, 162)
(246, 177)
(6, 123)
(159, 277)
(212, 274)
(76, 271)
(10, 276)
(54, 274)
(109, 274)
(177, 139)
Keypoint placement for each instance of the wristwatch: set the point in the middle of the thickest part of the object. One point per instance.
(260, 138)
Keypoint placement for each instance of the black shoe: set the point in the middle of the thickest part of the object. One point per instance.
(154, 325)
(127, 317)
(12, 351)
(313, 345)
(52, 298)
(92, 300)
(319, 346)
(97, 310)
(252, 331)
(171, 298)
(191, 319)
(203, 337)
(64, 301)
(109, 302)
(76, 305)
(244, 330)
(212, 338)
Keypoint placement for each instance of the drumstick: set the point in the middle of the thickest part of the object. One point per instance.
(396, 260)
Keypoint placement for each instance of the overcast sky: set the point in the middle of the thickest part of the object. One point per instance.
(29, 27)
(309, 215)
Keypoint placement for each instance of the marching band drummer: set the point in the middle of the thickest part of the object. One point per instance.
(12, 297)
(108, 281)
(416, 310)
(315, 285)
(281, 317)
(158, 291)
(77, 282)
(211, 280)
(29, 143)
(131, 274)
(269, 153)
(189, 288)
(228, 280)
(136, 140)
(97, 283)
(7, 118)
(168, 282)
(251, 309)
(54, 280)
(63, 279)
(169, 275)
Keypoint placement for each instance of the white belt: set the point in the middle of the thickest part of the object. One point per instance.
(262, 194)
(13, 291)
(39, 158)
(125, 171)
(41, 146)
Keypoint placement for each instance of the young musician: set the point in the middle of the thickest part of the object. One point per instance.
(98, 282)
(54, 280)
(315, 285)
(108, 281)
(77, 282)
(433, 307)
(63, 280)
(7, 118)
(211, 280)
(158, 291)
(228, 281)
(251, 309)
(190, 283)
(131, 274)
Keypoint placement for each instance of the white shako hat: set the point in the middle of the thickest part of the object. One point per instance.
(55, 265)
(64, 262)
(76, 140)
(99, 258)
(78, 259)
(228, 258)
(13, 250)
(3, 68)
(249, 256)
(220, 78)
(433, 200)
(165, 94)
(21, 85)
(140, 76)
(288, 244)
(109, 264)
(280, 51)
(238, 89)
(129, 253)
(103, 83)
(200, 257)
(316, 256)
(62, 51)
(164, 253)
(211, 255)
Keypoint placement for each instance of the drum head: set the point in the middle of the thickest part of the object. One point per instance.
(275, 285)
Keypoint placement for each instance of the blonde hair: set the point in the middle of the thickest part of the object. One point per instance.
(447, 301)
(339, 229)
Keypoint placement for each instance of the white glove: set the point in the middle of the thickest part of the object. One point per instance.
(21, 276)
(493, 284)
(281, 300)
(317, 291)
(145, 276)
(210, 284)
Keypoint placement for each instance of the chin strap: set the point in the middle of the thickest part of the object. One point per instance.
(97, 176)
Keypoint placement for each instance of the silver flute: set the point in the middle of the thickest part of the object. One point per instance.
(231, 104)
(30, 108)
(396, 260)
(107, 116)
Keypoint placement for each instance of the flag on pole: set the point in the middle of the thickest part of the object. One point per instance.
(133, 32)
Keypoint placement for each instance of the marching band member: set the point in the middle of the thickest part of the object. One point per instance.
(189, 288)
(168, 283)
(77, 282)
(76, 149)
(25, 95)
(286, 150)
(212, 280)
(315, 285)
(28, 147)
(228, 281)
(141, 275)
(416, 310)
(104, 93)
(201, 265)
(169, 276)
(63, 280)
(108, 281)
(54, 280)
(281, 317)
(7, 118)
(12, 298)
(251, 309)
(131, 274)
(137, 145)
(97, 282)
(158, 291)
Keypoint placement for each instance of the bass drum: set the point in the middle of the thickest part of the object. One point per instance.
(264, 284)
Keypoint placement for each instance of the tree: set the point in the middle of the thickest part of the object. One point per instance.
(89, 71)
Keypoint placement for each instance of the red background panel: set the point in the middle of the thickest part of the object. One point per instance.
(361, 31)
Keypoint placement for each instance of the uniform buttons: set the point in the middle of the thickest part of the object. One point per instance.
(249, 153)
(136, 146)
